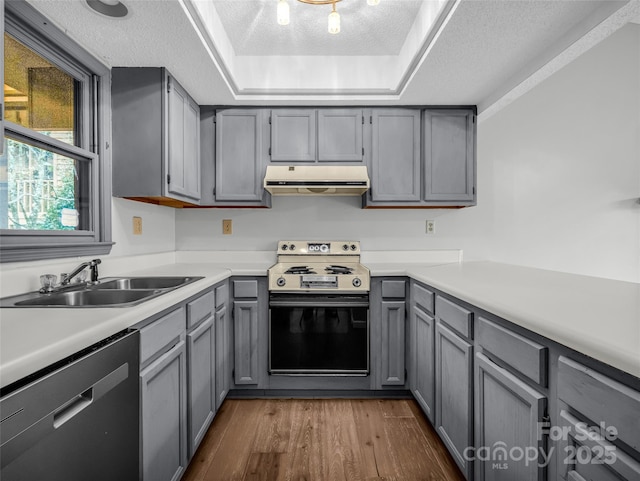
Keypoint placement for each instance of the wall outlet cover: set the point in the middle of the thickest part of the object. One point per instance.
(137, 225)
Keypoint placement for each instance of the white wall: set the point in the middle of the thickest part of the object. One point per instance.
(158, 228)
(558, 184)
(566, 166)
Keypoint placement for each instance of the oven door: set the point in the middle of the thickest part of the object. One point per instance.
(319, 334)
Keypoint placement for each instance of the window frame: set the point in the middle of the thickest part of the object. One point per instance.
(93, 133)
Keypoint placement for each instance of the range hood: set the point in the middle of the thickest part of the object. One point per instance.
(316, 180)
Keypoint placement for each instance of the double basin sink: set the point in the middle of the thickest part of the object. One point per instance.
(110, 292)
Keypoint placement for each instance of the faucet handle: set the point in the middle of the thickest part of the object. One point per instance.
(48, 282)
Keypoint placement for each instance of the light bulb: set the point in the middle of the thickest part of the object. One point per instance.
(283, 12)
(373, 2)
(334, 21)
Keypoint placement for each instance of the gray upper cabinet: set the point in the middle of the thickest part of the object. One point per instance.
(449, 155)
(240, 163)
(184, 142)
(156, 143)
(340, 135)
(395, 155)
(316, 135)
(293, 135)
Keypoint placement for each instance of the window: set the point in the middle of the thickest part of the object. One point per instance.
(55, 190)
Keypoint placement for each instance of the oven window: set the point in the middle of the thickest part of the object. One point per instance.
(320, 340)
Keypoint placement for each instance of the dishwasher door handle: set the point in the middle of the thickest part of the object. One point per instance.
(71, 408)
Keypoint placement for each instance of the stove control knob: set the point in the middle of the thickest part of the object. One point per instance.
(345, 247)
(353, 247)
(285, 247)
(281, 281)
(356, 282)
(292, 247)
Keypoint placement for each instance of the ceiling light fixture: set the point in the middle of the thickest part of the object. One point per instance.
(283, 12)
(333, 24)
(110, 8)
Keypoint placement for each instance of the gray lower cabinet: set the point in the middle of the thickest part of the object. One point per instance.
(423, 360)
(250, 319)
(223, 333)
(156, 137)
(240, 157)
(454, 395)
(592, 402)
(245, 322)
(163, 398)
(392, 341)
(508, 416)
(387, 319)
(395, 156)
(201, 381)
(449, 145)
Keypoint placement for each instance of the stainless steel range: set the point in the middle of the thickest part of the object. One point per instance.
(319, 310)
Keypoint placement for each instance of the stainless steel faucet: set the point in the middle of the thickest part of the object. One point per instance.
(93, 265)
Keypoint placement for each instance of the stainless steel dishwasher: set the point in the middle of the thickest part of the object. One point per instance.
(77, 420)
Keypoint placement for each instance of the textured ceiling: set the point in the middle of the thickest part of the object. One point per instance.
(485, 52)
(365, 30)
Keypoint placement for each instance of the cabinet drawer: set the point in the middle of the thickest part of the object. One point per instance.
(222, 294)
(245, 288)
(587, 455)
(455, 316)
(394, 289)
(423, 297)
(160, 334)
(600, 399)
(523, 355)
(199, 309)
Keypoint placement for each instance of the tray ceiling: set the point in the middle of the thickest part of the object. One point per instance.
(233, 52)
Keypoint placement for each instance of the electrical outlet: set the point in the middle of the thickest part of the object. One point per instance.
(227, 227)
(431, 227)
(137, 226)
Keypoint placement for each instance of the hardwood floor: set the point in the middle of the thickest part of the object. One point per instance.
(321, 439)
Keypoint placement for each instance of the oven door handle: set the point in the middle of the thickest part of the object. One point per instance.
(318, 303)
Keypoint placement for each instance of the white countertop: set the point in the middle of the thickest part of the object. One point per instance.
(598, 317)
(33, 338)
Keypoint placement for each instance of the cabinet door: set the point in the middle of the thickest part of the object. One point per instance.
(340, 135)
(238, 160)
(423, 361)
(201, 381)
(395, 155)
(183, 142)
(223, 367)
(245, 321)
(392, 343)
(508, 415)
(163, 397)
(449, 150)
(454, 391)
(293, 135)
